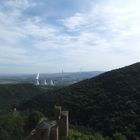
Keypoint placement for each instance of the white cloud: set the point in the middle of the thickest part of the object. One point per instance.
(106, 36)
(74, 22)
(18, 4)
(116, 22)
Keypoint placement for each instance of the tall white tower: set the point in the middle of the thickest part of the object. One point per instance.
(51, 83)
(37, 80)
(45, 83)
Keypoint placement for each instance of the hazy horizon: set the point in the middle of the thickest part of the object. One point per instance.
(59, 72)
(50, 35)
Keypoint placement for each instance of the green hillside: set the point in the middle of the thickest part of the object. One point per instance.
(13, 94)
(108, 103)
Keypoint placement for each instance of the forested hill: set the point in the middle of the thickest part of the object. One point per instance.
(12, 94)
(108, 103)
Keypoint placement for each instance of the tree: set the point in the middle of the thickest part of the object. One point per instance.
(119, 136)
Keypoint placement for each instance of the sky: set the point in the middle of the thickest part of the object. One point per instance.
(47, 36)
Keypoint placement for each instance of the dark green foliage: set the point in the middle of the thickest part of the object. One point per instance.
(11, 126)
(77, 135)
(108, 103)
(16, 126)
(119, 136)
(11, 95)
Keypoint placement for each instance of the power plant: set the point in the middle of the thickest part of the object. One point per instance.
(43, 83)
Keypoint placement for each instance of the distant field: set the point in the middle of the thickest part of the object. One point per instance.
(8, 82)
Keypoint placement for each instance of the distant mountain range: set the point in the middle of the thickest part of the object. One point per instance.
(108, 103)
(59, 78)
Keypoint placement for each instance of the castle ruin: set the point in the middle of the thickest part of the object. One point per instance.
(51, 130)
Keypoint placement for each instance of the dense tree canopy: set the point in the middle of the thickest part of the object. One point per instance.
(12, 94)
